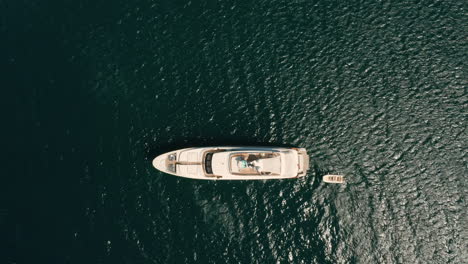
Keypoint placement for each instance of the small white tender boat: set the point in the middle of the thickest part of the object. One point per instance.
(329, 178)
(235, 163)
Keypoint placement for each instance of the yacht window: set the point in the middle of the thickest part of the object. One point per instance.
(208, 158)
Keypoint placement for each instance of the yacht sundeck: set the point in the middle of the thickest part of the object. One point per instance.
(235, 163)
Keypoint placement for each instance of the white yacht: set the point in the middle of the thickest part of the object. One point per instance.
(235, 163)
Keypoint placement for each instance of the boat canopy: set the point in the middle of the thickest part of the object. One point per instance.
(247, 163)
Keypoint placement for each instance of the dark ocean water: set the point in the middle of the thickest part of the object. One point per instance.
(91, 91)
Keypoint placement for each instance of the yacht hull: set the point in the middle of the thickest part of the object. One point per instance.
(234, 163)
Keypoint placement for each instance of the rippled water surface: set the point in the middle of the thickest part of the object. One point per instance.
(93, 90)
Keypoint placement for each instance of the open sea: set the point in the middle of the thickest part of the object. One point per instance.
(92, 90)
